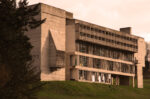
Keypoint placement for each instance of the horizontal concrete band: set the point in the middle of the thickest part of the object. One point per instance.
(103, 71)
(105, 58)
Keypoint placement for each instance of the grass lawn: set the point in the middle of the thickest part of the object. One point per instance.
(81, 90)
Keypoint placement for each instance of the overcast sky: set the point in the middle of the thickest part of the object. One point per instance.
(109, 13)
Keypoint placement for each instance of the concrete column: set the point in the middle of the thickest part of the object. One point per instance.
(139, 76)
(67, 67)
(77, 74)
(90, 62)
(133, 82)
(78, 60)
(117, 80)
(90, 49)
(112, 80)
(89, 76)
(74, 60)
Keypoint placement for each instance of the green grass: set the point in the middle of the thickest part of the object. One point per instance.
(81, 90)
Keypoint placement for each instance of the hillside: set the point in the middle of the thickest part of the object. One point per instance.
(80, 90)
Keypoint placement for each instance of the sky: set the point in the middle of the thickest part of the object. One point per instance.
(113, 14)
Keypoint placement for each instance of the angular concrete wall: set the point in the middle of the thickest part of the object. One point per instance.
(52, 34)
(56, 24)
(53, 39)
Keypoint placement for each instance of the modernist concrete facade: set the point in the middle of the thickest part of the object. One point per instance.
(69, 49)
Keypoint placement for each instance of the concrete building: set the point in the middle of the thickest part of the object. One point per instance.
(69, 49)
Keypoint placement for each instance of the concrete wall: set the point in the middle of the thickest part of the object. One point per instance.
(55, 24)
(70, 44)
(140, 56)
(70, 36)
(58, 75)
(53, 39)
(53, 34)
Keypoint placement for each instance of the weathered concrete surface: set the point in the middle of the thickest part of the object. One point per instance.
(55, 41)
(140, 56)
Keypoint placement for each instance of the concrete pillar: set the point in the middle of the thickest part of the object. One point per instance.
(89, 76)
(90, 62)
(90, 49)
(78, 60)
(112, 80)
(139, 76)
(117, 80)
(67, 67)
(77, 74)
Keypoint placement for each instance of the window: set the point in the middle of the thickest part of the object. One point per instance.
(83, 75)
(92, 36)
(83, 47)
(112, 34)
(96, 63)
(100, 38)
(83, 61)
(88, 35)
(88, 28)
(106, 33)
(103, 39)
(92, 29)
(82, 34)
(100, 31)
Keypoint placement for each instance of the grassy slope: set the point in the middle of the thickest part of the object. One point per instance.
(80, 90)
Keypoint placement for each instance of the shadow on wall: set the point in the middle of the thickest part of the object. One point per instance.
(48, 53)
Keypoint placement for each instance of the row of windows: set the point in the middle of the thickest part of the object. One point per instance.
(107, 65)
(107, 40)
(108, 33)
(95, 76)
(103, 51)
